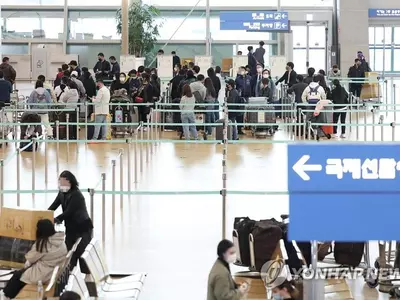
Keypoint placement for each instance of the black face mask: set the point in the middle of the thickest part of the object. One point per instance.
(99, 59)
(335, 71)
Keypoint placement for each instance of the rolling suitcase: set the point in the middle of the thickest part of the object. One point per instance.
(266, 234)
(348, 254)
(219, 130)
(243, 227)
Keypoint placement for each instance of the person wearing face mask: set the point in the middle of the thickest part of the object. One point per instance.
(364, 64)
(286, 291)
(102, 67)
(177, 68)
(232, 98)
(121, 83)
(356, 72)
(334, 72)
(115, 69)
(298, 89)
(271, 84)
(256, 81)
(221, 285)
(101, 110)
(289, 77)
(75, 216)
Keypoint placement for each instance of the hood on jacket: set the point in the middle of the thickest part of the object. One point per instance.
(57, 239)
(40, 90)
(313, 85)
(197, 86)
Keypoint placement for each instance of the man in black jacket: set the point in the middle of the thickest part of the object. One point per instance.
(355, 72)
(102, 67)
(115, 69)
(298, 89)
(289, 77)
(215, 80)
(174, 85)
(232, 98)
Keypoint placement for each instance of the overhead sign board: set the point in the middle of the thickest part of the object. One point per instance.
(384, 13)
(344, 192)
(254, 20)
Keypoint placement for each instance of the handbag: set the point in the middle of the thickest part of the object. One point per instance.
(139, 99)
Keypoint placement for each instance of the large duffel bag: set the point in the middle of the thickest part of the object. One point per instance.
(244, 226)
(349, 254)
(267, 234)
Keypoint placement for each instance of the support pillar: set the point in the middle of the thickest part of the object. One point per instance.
(125, 27)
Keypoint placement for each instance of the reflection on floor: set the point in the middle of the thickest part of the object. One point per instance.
(173, 237)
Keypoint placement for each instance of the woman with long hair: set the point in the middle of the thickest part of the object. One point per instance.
(187, 112)
(340, 97)
(75, 216)
(48, 251)
(286, 291)
(211, 97)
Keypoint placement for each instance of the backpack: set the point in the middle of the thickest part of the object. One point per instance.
(314, 95)
(41, 98)
(197, 96)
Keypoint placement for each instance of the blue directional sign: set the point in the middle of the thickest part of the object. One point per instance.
(384, 13)
(254, 20)
(344, 192)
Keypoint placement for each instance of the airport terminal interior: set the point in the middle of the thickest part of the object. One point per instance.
(180, 119)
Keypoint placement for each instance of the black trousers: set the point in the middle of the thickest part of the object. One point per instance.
(355, 89)
(143, 112)
(15, 285)
(72, 128)
(70, 240)
(342, 116)
(240, 119)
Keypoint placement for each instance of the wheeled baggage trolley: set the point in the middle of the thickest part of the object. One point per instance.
(119, 111)
(260, 112)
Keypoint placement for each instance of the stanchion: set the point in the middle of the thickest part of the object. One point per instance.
(77, 126)
(67, 129)
(156, 126)
(224, 168)
(129, 141)
(309, 130)
(34, 143)
(394, 128)
(58, 147)
(2, 183)
(351, 112)
(148, 138)
(3, 128)
(381, 119)
(103, 213)
(357, 127)
(365, 124)
(141, 146)
(91, 193)
(46, 162)
(373, 125)
(121, 176)
(135, 150)
(18, 177)
(86, 121)
(304, 128)
(113, 164)
(151, 131)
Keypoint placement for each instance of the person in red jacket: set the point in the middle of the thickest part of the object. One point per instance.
(60, 74)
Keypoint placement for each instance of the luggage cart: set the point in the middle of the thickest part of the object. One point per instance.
(259, 111)
(120, 115)
(200, 120)
(389, 258)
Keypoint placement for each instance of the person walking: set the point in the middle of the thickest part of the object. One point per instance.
(75, 216)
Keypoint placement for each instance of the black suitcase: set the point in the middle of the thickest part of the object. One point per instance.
(348, 254)
(14, 250)
(62, 128)
(267, 235)
(244, 226)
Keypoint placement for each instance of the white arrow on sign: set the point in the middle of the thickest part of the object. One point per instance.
(301, 168)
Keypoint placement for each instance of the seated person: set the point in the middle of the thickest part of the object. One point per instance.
(48, 251)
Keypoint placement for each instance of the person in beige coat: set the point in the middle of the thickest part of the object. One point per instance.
(220, 282)
(48, 251)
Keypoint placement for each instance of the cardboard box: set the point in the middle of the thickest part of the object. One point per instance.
(21, 223)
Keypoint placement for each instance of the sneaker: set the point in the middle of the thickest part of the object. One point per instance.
(342, 136)
(50, 138)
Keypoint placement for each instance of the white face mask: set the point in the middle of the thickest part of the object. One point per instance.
(259, 70)
(277, 297)
(230, 259)
(122, 79)
(265, 75)
(242, 72)
(64, 189)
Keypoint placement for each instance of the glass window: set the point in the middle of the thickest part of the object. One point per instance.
(192, 28)
(32, 2)
(299, 36)
(378, 62)
(85, 25)
(94, 2)
(24, 24)
(317, 36)
(235, 35)
(300, 57)
(372, 58)
(317, 59)
(396, 62)
(324, 3)
(383, 35)
(397, 35)
(235, 3)
(371, 32)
